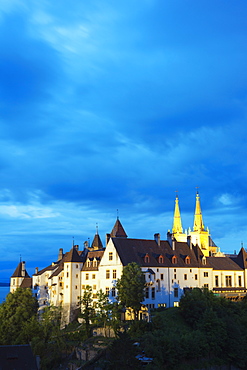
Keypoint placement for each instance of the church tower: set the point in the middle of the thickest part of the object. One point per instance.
(200, 236)
(177, 229)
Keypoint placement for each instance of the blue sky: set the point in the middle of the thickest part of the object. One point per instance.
(109, 105)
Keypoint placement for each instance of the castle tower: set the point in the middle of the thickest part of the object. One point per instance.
(20, 278)
(177, 229)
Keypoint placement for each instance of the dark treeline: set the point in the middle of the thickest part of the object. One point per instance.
(205, 331)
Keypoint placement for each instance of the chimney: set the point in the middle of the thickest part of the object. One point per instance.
(23, 268)
(189, 241)
(86, 244)
(36, 270)
(107, 238)
(76, 247)
(173, 243)
(60, 254)
(157, 238)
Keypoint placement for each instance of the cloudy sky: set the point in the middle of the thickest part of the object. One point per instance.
(114, 105)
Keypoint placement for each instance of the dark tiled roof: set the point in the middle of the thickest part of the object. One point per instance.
(18, 271)
(135, 250)
(48, 268)
(26, 283)
(57, 271)
(17, 357)
(97, 243)
(223, 263)
(92, 255)
(118, 230)
(72, 256)
(241, 258)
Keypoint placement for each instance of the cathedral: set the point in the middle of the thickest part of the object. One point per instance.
(184, 260)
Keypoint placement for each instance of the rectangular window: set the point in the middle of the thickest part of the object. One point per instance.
(107, 274)
(67, 274)
(205, 274)
(93, 276)
(175, 292)
(107, 290)
(76, 287)
(205, 286)
(161, 276)
(76, 276)
(110, 256)
(239, 281)
(161, 304)
(153, 293)
(175, 276)
(87, 276)
(185, 276)
(147, 293)
(113, 292)
(83, 286)
(228, 281)
(176, 304)
(216, 280)
(94, 287)
(114, 274)
(195, 276)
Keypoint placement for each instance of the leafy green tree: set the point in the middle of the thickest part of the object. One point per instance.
(131, 287)
(87, 309)
(18, 317)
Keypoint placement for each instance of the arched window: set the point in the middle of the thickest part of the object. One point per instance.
(174, 259)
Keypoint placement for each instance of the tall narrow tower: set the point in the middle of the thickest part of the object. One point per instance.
(177, 229)
(200, 236)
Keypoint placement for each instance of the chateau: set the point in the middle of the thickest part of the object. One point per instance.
(184, 260)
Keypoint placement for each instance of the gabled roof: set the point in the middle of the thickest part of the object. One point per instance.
(48, 268)
(18, 271)
(118, 230)
(223, 263)
(135, 250)
(92, 255)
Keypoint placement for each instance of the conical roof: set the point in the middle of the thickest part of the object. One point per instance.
(20, 270)
(97, 243)
(118, 230)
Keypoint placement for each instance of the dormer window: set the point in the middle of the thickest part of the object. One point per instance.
(161, 259)
(204, 261)
(187, 260)
(174, 260)
(95, 263)
(88, 263)
(146, 258)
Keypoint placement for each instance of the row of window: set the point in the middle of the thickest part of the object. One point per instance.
(160, 259)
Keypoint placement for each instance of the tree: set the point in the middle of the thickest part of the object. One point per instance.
(87, 310)
(131, 287)
(18, 317)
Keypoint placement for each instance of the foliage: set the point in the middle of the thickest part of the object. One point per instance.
(122, 354)
(131, 287)
(87, 309)
(18, 317)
